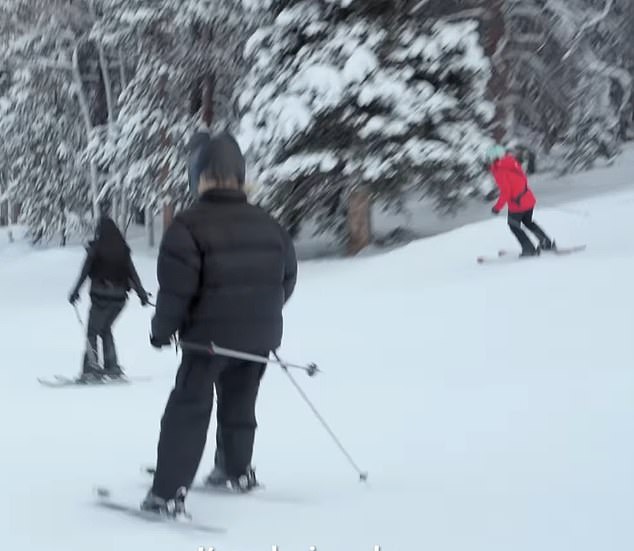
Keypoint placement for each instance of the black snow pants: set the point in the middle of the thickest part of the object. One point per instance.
(187, 415)
(515, 221)
(223, 386)
(103, 313)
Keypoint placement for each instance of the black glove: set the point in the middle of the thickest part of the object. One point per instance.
(160, 342)
(495, 211)
(143, 297)
(74, 297)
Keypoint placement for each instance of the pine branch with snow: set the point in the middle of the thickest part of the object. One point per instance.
(340, 99)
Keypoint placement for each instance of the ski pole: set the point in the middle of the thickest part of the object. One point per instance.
(212, 349)
(363, 476)
(83, 326)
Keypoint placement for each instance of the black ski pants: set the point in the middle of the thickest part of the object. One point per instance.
(185, 422)
(222, 386)
(104, 311)
(516, 220)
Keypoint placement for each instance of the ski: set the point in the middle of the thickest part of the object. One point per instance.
(557, 252)
(256, 493)
(60, 381)
(206, 488)
(105, 500)
(510, 256)
(500, 259)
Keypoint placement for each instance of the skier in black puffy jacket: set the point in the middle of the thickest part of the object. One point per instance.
(225, 271)
(112, 273)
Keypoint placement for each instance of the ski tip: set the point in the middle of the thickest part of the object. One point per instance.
(102, 492)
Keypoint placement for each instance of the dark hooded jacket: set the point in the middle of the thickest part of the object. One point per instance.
(109, 265)
(225, 270)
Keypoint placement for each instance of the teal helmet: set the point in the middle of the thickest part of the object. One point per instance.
(495, 153)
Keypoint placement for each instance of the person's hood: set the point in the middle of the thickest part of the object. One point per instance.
(509, 164)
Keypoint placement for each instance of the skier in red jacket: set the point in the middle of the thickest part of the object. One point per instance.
(514, 191)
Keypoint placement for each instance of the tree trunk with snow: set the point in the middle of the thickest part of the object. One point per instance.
(14, 212)
(359, 221)
(207, 108)
(114, 209)
(85, 110)
(168, 215)
(494, 41)
(94, 190)
(149, 227)
(124, 210)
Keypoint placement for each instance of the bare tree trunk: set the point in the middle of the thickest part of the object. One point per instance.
(149, 226)
(94, 190)
(103, 66)
(4, 213)
(107, 83)
(64, 228)
(114, 209)
(168, 215)
(85, 110)
(122, 75)
(124, 209)
(359, 221)
(495, 41)
(14, 212)
(207, 111)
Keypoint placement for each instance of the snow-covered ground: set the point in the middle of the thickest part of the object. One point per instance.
(491, 405)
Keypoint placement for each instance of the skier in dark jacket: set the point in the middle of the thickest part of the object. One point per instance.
(112, 273)
(225, 271)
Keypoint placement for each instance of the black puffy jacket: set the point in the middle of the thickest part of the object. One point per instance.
(225, 270)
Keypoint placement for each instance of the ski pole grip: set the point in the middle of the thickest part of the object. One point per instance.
(195, 347)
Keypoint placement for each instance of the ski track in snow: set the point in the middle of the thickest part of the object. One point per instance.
(491, 405)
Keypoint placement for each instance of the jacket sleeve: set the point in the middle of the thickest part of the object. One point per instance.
(178, 273)
(85, 270)
(290, 266)
(500, 180)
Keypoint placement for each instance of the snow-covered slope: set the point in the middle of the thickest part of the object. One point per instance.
(491, 405)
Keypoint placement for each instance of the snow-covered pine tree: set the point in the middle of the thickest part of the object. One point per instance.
(40, 141)
(348, 99)
(143, 75)
(604, 84)
(43, 130)
(184, 60)
(52, 40)
(566, 65)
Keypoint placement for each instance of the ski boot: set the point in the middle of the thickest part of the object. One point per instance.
(91, 375)
(217, 479)
(114, 373)
(246, 482)
(527, 253)
(547, 246)
(173, 508)
(241, 484)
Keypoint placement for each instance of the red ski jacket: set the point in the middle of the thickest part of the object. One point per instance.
(513, 184)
